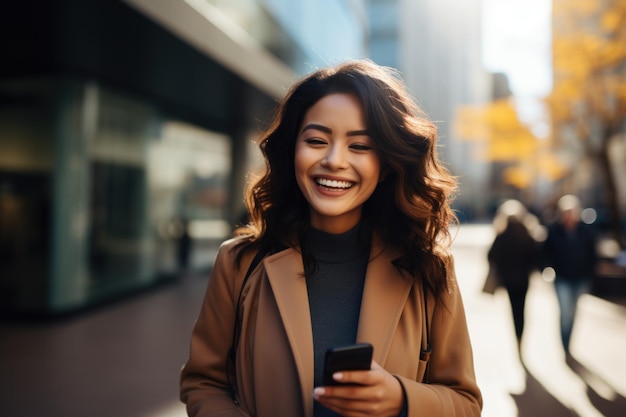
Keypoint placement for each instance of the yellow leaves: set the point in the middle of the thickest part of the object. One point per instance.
(544, 165)
(502, 116)
(550, 167)
(565, 95)
(499, 136)
(612, 20)
(594, 42)
(585, 7)
(496, 123)
(579, 56)
(612, 53)
(591, 44)
(572, 59)
(497, 119)
(588, 58)
(512, 147)
(567, 91)
(620, 93)
(594, 37)
(518, 177)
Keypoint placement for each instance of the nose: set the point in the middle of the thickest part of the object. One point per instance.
(335, 158)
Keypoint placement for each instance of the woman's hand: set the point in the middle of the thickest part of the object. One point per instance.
(378, 393)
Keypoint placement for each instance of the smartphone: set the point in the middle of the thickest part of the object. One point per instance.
(347, 358)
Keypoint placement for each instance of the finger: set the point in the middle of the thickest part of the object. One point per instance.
(353, 377)
(372, 377)
(341, 392)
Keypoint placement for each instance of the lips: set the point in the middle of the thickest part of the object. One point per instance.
(333, 184)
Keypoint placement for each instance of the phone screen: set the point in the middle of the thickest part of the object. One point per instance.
(347, 358)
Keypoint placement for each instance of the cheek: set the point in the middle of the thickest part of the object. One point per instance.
(373, 170)
(304, 159)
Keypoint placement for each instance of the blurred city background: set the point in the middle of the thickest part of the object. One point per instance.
(127, 129)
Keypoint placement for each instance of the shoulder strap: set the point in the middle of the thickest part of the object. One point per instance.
(232, 352)
(255, 261)
(425, 352)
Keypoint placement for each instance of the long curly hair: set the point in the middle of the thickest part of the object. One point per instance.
(410, 207)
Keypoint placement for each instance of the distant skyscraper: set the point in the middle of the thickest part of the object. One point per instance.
(440, 57)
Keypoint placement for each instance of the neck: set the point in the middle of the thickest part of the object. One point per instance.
(335, 224)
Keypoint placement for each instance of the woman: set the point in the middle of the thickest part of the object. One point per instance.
(352, 213)
(513, 253)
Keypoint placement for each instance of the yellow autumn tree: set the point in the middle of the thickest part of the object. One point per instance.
(500, 136)
(588, 100)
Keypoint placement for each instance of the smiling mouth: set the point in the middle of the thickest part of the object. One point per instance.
(333, 184)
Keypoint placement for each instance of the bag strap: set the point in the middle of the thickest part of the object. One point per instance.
(232, 352)
(425, 352)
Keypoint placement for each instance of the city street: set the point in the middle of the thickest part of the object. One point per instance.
(592, 385)
(137, 135)
(123, 359)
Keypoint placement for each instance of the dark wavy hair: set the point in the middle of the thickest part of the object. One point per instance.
(410, 207)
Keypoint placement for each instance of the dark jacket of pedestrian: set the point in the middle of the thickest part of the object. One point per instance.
(514, 254)
(571, 253)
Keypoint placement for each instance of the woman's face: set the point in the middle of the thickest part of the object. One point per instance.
(337, 166)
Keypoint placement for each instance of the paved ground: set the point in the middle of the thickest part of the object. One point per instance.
(592, 384)
(123, 359)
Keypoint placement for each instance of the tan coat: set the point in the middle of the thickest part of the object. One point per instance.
(275, 355)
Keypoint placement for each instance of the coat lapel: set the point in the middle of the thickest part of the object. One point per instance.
(285, 274)
(384, 297)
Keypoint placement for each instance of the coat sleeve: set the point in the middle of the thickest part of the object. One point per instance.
(452, 390)
(203, 381)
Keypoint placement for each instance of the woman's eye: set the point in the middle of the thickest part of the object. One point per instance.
(315, 141)
(360, 147)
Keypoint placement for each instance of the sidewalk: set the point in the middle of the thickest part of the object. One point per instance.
(591, 385)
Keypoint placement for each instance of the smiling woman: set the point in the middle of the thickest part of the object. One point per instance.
(348, 243)
(337, 167)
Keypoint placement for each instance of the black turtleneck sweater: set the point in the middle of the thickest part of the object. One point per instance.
(335, 288)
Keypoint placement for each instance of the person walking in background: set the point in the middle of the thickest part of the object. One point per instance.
(513, 254)
(352, 219)
(570, 249)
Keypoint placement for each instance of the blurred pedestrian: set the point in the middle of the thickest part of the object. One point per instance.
(184, 245)
(513, 255)
(351, 216)
(570, 249)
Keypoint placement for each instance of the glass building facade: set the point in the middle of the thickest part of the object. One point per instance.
(127, 129)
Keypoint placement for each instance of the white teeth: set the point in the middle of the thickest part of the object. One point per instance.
(333, 183)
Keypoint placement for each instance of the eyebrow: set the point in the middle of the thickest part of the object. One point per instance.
(315, 126)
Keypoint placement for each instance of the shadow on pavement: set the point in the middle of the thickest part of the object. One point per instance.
(613, 407)
(537, 401)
